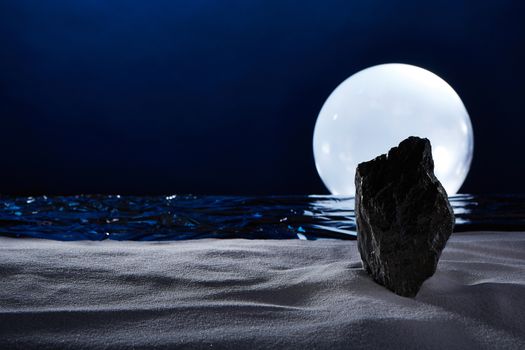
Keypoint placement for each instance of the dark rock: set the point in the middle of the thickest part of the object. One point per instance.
(403, 216)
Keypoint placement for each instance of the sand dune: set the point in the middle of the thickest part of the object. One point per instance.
(255, 294)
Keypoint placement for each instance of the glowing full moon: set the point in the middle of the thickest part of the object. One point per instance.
(378, 107)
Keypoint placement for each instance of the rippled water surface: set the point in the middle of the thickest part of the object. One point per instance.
(190, 217)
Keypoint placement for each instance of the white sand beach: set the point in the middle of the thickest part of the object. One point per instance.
(255, 294)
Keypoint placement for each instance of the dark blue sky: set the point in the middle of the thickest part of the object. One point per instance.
(221, 97)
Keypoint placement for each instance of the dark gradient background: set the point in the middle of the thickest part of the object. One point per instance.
(221, 97)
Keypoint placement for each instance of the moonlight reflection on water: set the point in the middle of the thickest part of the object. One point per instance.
(192, 217)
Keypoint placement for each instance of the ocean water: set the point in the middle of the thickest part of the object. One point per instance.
(174, 217)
